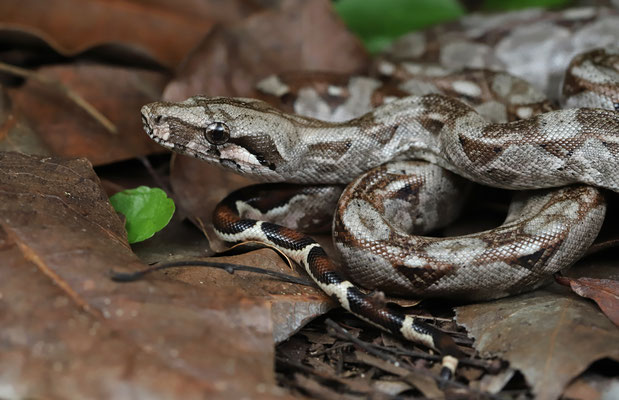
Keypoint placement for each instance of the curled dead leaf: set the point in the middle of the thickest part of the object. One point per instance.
(550, 335)
(165, 33)
(605, 292)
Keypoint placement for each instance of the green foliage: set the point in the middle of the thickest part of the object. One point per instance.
(378, 22)
(147, 210)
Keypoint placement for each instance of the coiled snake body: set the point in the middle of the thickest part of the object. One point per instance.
(390, 200)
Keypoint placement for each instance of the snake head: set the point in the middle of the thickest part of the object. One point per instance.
(245, 135)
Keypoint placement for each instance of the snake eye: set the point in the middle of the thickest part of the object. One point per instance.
(217, 133)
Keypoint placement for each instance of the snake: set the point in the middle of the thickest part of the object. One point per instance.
(405, 142)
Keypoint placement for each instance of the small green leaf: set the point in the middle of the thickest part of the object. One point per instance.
(148, 210)
(378, 22)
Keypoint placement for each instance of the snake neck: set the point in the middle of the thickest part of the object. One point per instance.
(408, 128)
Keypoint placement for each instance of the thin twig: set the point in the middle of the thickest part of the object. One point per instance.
(472, 362)
(432, 318)
(321, 374)
(230, 268)
(331, 349)
(72, 95)
(344, 334)
(333, 378)
(398, 350)
(597, 247)
(154, 174)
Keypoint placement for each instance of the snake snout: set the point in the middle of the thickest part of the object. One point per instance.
(149, 118)
(145, 124)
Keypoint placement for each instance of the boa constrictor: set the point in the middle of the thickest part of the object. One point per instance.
(498, 131)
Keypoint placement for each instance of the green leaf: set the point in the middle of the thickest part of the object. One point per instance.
(378, 22)
(148, 210)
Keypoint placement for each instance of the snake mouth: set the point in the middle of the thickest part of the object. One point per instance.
(228, 158)
(146, 126)
(159, 137)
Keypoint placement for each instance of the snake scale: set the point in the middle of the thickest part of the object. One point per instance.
(445, 106)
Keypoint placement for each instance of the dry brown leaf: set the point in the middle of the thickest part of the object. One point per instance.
(60, 220)
(391, 387)
(298, 35)
(605, 292)
(592, 386)
(550, 335)
(116, 92)
(50, 348)
(600, 267)
(15, 132)
(291, 305)
(165, 31)
(494, 383)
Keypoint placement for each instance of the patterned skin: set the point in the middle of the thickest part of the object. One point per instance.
(545, 231)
